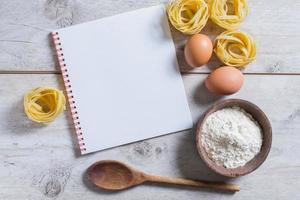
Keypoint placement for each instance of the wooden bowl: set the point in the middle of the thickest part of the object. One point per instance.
(253, 164)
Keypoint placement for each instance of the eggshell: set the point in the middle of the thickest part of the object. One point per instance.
(225, 81)
(198, 50)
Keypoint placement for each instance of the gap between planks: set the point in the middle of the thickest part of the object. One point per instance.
(28, 72)
(183, 72)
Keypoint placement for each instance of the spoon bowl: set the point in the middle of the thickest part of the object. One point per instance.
(113, 175)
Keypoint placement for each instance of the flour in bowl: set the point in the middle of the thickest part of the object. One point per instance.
(231, 137)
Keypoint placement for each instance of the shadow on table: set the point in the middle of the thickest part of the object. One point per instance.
(18, 122)
(189, 162)
(189, 188)
(203, 97)
(72, 132)
(191, 166)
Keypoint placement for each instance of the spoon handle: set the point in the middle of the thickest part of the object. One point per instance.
(195, 183)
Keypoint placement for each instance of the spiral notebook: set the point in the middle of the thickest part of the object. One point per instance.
(122, 79)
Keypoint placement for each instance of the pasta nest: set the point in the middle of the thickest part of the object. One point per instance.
(188, 16)
(44, 104)
(228, 13)
(235, 48)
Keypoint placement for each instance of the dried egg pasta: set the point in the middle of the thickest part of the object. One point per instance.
(44, 104)
(228, 13)
(235, 48)
(188, 16)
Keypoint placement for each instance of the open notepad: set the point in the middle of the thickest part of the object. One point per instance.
(122, 79)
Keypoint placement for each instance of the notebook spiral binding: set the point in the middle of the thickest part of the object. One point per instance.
(64, 71)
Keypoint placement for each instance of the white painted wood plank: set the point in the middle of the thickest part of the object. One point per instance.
(38, 162)
(24, 28)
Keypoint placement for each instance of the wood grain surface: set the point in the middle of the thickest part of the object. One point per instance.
(24, 28)
(39, 162)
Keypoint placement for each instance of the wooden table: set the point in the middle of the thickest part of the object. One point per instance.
(39, 162)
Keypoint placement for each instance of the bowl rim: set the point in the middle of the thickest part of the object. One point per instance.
(254, 162)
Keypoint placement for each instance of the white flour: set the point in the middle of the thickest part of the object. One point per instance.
(231, 137)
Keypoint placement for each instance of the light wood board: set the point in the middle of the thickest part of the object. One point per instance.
(24, 29)
(39, 162)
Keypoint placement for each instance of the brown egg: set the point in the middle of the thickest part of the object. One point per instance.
(224, 81)
(198, 50)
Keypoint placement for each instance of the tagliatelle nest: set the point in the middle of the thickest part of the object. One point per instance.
(44, 104)
(228, 13)
(188, 16)
(235, 48)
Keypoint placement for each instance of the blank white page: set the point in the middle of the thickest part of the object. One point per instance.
(125, 78)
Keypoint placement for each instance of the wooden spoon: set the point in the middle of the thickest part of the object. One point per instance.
(114, 175)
